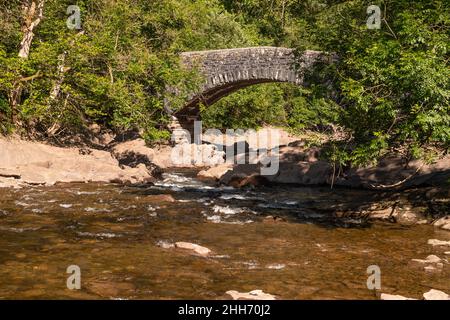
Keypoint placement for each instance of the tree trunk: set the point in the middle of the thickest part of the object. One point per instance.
(14, 99)
(32, 18)
(61, 70)
(56, 89)
(283, 13)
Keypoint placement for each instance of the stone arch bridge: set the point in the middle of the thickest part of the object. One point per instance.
(229, 70)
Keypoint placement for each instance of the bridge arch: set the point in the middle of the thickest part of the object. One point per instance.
(230, 70)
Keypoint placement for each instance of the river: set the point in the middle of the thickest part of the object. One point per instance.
(279, 239)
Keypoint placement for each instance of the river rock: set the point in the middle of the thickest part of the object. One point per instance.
(134, 153)
(252, 295)
(436, 295)
(385, 296)
(215, 173)
(202, 251)
(435, 242)
(430, 259)
(443, 223)
(408, 215)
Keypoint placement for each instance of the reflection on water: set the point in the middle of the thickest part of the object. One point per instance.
(280, 240)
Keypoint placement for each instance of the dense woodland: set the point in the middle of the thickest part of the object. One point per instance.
(388, 91)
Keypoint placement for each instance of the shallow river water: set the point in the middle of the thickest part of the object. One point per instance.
(116, 235)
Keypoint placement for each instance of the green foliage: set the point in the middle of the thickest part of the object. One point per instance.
(388, 90)
(393, 83)
(247, 108)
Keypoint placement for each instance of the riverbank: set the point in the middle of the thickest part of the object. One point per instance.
(26, 163)
(129, 160)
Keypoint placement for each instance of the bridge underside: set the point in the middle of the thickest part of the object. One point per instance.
(191, 111)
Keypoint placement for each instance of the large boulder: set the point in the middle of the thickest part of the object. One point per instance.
(38, 163)
(196, 155)
(134, 153)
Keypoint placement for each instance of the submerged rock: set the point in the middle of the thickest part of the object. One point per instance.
(434, 268)
(111, 289)
(435, 242)
(202, 251)
(159, 198)
(252, 295)
(272, 219)
(436, 295)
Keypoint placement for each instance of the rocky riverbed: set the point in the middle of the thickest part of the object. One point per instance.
(182, 238)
